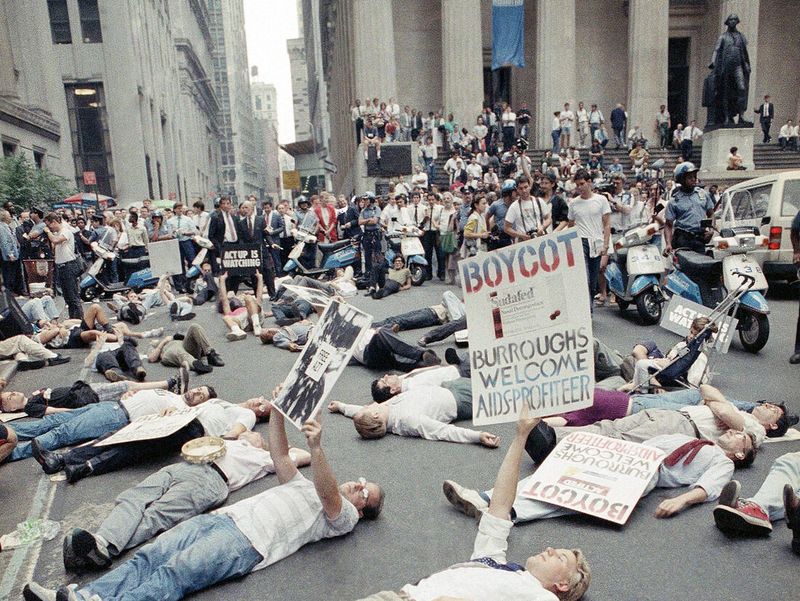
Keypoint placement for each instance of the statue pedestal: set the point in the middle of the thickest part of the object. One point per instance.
(717, 146)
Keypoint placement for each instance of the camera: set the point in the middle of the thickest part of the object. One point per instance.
(605, 186)
(522, 144)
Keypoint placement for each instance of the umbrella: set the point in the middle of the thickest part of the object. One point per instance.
(164, 203)
(84, 200)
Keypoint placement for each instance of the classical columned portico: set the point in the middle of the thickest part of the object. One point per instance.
(747, 11)
(462, 59)
(555, 62)
(375, 72)
(648, 27)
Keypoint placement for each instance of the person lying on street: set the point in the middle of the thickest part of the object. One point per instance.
(552, 575)
(170, 496)
(703, 466)
(716, 418)
(215, 417)
(450, 309)
(290, 337)
(424, 411)
(776, 499)
(29, 354)
(187, 350)
(381, 348)
(133, 307)
(392, 384)
(614, 404)
(117, 361)
(240, 312)
(66, 428)
(240, 538)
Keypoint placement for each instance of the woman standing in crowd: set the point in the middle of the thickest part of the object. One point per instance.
(475, 230)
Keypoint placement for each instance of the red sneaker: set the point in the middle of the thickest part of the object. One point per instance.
(744, 516)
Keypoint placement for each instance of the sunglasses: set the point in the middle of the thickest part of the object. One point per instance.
(364, 490)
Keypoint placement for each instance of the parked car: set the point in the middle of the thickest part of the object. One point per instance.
(768, 203)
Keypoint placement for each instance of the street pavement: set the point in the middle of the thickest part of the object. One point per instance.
(419, 533)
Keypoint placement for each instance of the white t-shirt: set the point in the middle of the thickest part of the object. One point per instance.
(243, 463)
(711, 428)
(429, 377)
(217, 417)
(65, 251)
(587, 213)
(525, 216)
(567, 118)
(280, 520)
(508, 119)
(361, 345)
(583, 116)
(388, 212)
(786, 131)
(151, 402)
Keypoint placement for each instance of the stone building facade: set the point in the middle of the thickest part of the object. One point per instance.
(433, 54)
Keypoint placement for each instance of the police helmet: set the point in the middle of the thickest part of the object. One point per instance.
(682, 170)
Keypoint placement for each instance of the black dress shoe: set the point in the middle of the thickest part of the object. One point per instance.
(794, 359)
(541, 441)
(31, 364)
(214, 359)
(452, 357)
(178, 336)
(77, 472)
(81, 551)
(58, 360)
(52, 462)
(201, 368)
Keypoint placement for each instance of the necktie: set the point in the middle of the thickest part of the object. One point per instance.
(251, 228)
(508, 567)
(231, 227)
(688, 450)
(416, 217)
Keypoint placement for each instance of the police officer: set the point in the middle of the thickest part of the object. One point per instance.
(306, 223)
(688, 206)
(369, 219)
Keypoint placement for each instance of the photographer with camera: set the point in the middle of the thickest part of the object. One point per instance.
(527, 216)
(623, 205)
(496, 216)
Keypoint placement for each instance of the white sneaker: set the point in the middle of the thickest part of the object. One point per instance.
(466, 500)
(236, 334)
(256, 321)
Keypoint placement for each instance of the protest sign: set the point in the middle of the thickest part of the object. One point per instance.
(329, 348)
(165, 258)
(681, 312)
(150, 427)
(241, 259)
(530, 330)
(315, 297)
(595, 475)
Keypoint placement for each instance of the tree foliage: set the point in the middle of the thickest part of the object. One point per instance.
(26, 186)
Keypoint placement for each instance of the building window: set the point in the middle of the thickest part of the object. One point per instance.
(9, 149)
(258, 103)
(90, 21)
(149, 176)
(91, 145)
(38, 158)
(59, 21)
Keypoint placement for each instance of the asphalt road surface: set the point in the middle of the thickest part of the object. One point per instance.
(419, 532)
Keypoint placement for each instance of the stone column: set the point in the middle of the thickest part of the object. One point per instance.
(555, 63)
(648, 37)
(462, 60)
(8, 81)
(373, 41)
(747, 10)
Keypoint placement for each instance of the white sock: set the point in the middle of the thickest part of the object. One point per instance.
(256, 321)
(237, 330)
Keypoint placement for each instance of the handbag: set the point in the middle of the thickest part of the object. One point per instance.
(448, 242)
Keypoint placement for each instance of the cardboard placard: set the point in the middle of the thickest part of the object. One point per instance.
(321, 362)
(680, 313)
(241, 259)
(530, 329)
(316, 298)
(151, 427)
(595, 475)
(165, 258)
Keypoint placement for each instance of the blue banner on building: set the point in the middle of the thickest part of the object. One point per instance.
(508, 36)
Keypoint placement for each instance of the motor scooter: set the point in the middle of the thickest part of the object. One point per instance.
(405, 240)
(336, 255)
(635, 274)
(707, 279)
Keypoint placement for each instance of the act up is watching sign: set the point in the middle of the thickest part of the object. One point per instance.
(530, 329)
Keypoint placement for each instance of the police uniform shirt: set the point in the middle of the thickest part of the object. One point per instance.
(370, 212)
(686, 211)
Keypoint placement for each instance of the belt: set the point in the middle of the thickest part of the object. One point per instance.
(66, 263)
(218, 469)
(694, 425)
(125, 411)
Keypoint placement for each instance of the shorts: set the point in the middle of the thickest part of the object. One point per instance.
(652, 349)
(241, 316)
(74, 340)
(566, 130)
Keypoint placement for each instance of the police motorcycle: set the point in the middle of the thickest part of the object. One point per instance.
(336, 255)
(194, 272)
(725, 274)
(406, 242)
(635, 274)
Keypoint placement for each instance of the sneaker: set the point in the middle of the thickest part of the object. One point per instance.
(185, 317)
(422, 342)
(81, 551)
(792, 506)
(155, 333)
(36, 592)
(234, 336)
(451, 356)
(730, 494)
(115, 375)
(744, 517)
(395, 328)
(214, 359)
(466, 500)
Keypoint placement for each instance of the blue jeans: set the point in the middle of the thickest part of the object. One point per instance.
(675, 400)
(418, 318)
(430, 168)
(192, 556)
(62, 429)
(555, 135)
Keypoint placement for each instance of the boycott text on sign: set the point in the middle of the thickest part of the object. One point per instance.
(681, 312)
(530, 328)
(596, 475)
(241, 259)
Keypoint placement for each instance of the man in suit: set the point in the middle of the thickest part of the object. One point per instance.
(251, 229)
(767, 114)
(221, 229)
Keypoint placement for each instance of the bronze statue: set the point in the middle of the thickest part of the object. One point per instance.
(726, 87)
